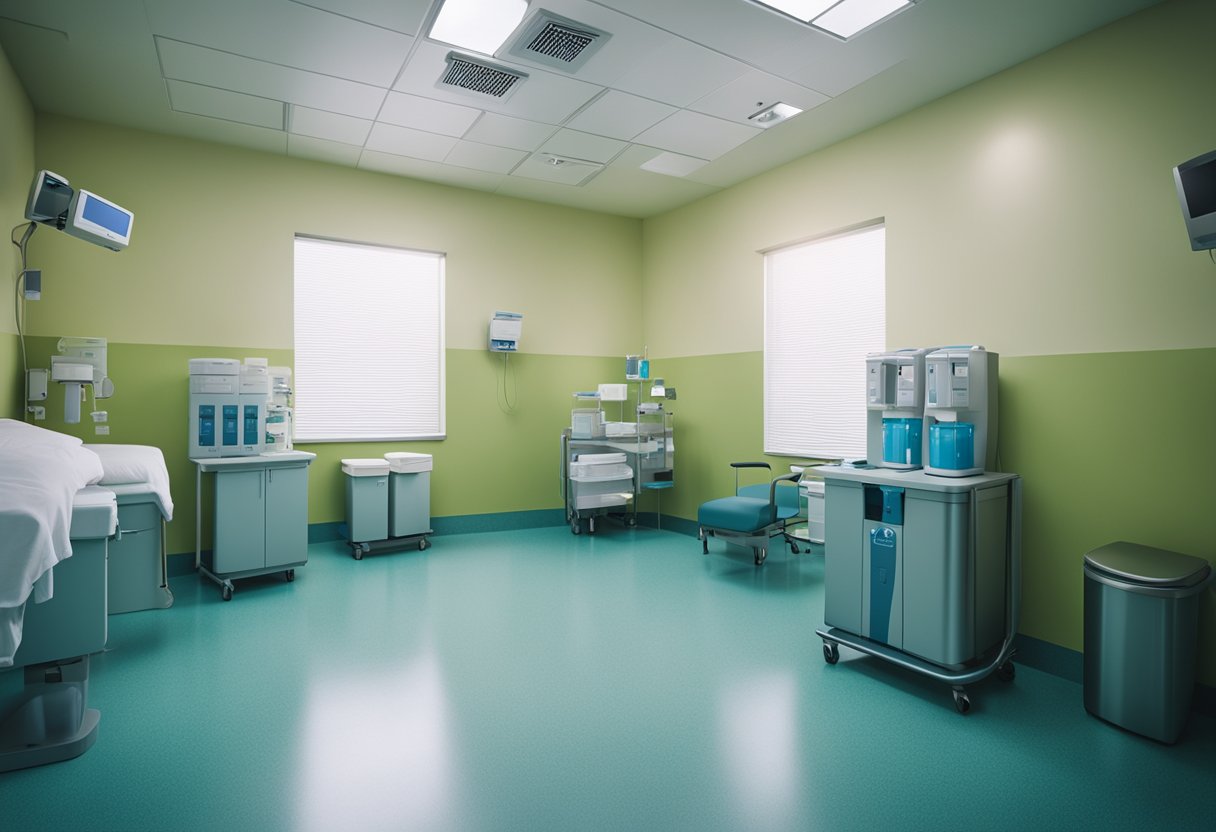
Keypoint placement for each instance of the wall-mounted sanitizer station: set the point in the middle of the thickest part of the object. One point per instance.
(505, 329)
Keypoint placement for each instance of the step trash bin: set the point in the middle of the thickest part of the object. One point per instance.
(1141, 627)
(366, 499)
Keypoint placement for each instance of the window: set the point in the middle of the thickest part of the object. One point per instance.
(824, 309)
(368, 342)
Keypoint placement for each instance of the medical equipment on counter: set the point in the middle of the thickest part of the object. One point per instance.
(1195, 181)
(278, 411)
(215, 385)
(754, 514)
(505, 330)
(922, 571)
(637, 368)
(254, 396)
(81, 361)
(959, 438)
(895, 408)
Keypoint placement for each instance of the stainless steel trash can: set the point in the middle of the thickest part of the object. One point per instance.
(1141, 627)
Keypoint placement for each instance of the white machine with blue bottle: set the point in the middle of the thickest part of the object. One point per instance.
(923, 566)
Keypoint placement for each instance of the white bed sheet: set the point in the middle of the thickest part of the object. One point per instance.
(136, 466)
(40, 473)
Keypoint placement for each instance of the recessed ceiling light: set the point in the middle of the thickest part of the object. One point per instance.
(843, 18)
(478, 25)
(773, 115)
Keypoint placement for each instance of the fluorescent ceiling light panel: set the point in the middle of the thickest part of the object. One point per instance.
(850, 17)
(673, 164)
(479, 25)
(843, 18)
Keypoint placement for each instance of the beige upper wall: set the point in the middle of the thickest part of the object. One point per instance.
(16, 173)
(1033, 212)
(210, 261)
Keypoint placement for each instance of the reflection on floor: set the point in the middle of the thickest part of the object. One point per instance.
(533, 680)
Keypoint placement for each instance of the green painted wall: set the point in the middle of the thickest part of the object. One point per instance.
(1033, 212)
(16, 173)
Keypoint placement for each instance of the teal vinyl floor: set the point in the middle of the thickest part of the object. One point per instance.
(533, 680)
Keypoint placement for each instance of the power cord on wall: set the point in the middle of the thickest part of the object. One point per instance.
(502, 391)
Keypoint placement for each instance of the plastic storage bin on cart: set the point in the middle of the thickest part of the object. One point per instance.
(366, 501)
(409, 495)
(1141, 627)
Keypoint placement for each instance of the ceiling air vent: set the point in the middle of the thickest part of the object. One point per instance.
(554, 41)
(468, 75)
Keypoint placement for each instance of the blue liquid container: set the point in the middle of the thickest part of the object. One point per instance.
(901, 441)
(952, 445)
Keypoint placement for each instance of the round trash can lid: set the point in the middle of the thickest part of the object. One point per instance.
(1148, 565)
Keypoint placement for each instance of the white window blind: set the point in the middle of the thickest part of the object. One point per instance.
(824, 309)
(368, 342)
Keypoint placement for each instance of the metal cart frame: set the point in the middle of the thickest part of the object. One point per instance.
(998, 661)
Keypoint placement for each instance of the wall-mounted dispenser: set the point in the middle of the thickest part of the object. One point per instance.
(505, 329)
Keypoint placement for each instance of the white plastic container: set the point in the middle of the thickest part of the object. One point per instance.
(815, 518)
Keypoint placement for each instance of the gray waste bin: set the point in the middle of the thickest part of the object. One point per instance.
(1141, 627)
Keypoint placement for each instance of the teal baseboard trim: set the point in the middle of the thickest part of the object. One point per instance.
(498, 522)
(1049, 658)
(1070, 665)
(325, 532)
(668, 523)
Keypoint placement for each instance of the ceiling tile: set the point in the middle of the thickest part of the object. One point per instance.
(399, 15)
(750, 93)
(673, 164)
(319, 124)
(433, 171)
(484, 157)
(231, 106)
(188, 62)
(679, 72)
(406, 110)
(505, 131)
(320, 150)
(542, 96)
(540, 166)
(285, 33)
(583, 146)
(403, 141)
(620, 115)
(207, 129)
(694, 134)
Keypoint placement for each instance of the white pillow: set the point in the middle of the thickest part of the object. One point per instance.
(129, 463)
(14, 434)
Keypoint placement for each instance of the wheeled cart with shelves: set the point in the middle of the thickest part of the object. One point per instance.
(923, 571)
(260, 517)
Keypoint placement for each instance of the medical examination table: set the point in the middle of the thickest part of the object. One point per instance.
(55, 526)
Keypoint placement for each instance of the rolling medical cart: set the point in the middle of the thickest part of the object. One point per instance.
(923, 571)
(260, 516)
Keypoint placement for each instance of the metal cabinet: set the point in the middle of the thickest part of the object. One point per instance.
(260, 516)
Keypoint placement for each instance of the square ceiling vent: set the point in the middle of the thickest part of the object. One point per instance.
(554, 41)
(477, 77)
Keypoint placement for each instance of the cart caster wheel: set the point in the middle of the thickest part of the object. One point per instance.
(1006, 672)
(591, 525)
(704, 541)
(357, 553)
(794, 549)
(575, 528)
(290, 575)
(831, 653)
(760, 556)
(226, 593)
(424, 544)
(962, 702)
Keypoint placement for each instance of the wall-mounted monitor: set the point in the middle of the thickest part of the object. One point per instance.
(1196, 182)
(97, 220)
(49, 198)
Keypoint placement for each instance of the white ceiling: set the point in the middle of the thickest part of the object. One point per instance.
(656, 118)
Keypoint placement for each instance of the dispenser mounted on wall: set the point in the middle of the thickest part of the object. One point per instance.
(505, 329)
